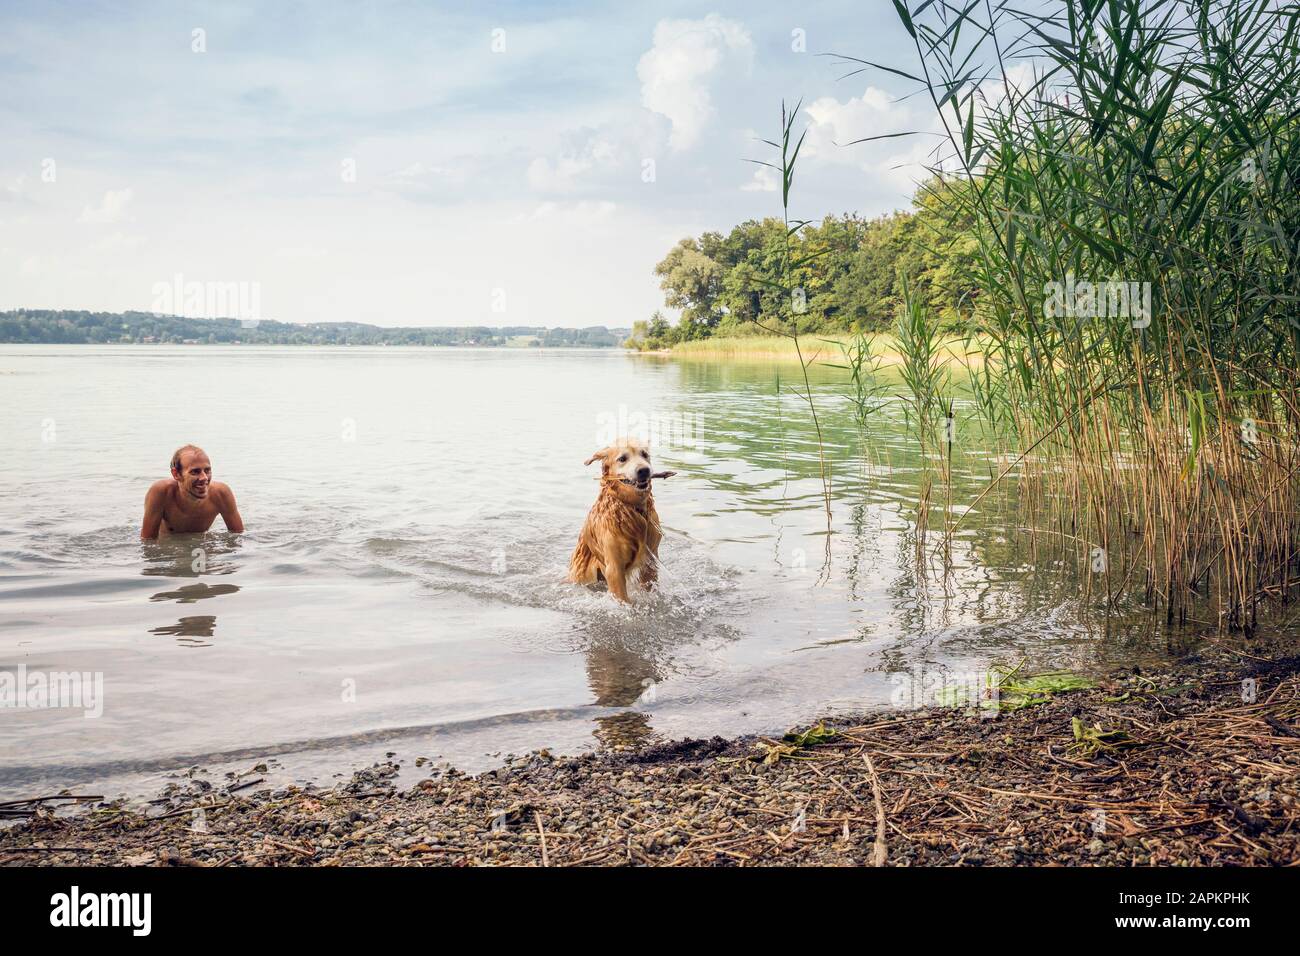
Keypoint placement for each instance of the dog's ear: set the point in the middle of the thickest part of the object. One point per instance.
(595, 455)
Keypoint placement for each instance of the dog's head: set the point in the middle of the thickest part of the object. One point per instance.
(626, 465)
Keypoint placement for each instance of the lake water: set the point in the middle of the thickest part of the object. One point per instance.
(410, 513)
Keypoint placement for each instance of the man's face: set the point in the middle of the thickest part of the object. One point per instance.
(195, 474)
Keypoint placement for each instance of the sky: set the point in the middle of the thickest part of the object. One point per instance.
(411, 164)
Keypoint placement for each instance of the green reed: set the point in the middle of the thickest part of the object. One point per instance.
(792, 295)
(924, 369)
(863, 361)
(1132, 168)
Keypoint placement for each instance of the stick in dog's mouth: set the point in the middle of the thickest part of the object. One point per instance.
(645, 485)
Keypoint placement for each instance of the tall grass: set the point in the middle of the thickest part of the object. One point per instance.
(862, 359)
(879, 347)
(788, 148)
(925, 374)
(754, 346)
(1147, 142)
(924, 370)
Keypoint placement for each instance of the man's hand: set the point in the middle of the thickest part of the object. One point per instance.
(229, 510)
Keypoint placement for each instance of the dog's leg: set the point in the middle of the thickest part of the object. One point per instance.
(583, 567)
(649, 572)
(650, 567)
(617, 578)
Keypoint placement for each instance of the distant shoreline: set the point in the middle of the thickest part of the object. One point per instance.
(331, 345)
(81, 327)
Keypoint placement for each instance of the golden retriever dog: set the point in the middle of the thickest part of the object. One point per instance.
(620, 538)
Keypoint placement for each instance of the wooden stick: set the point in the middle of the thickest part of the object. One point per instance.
(184, 810)
(289, 846)
(51, 849)
(57, 796)
(538, 817)
(882, 851)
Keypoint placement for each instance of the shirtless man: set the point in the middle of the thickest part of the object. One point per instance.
(188, 501)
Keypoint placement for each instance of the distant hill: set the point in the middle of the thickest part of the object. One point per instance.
(66, 327)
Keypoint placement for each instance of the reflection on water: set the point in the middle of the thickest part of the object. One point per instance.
(406, 588)
(189, 555)
(618, 674)
(188, 631)
(191, 593)
(621, 676)
(624, 731)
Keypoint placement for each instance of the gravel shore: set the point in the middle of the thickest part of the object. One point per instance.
(1176, 766)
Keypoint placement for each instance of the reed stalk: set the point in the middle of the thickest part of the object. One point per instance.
(1133, 168)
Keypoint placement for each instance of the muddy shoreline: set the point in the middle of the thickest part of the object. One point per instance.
(1185, 765)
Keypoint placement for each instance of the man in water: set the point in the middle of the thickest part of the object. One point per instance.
(189, 500)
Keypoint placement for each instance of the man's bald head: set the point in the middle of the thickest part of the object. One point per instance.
(192, 470)
(178, 457)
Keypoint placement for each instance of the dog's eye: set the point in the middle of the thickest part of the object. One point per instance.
(645, 455)
(622, 458)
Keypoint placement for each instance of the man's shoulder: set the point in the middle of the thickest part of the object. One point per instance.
(160, 487)
(222, 489)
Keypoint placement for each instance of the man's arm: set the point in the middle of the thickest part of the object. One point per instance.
(154, 500)
(230, 510)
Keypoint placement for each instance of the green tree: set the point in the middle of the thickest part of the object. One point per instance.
(692, 281)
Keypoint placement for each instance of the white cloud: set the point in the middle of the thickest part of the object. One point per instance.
(417, 172)
(900, 162)
(583, 213)
(674, 72)
(13, 191)
(302, 252)
(566, 171)
(765, 181)
(834, 124)
(110, 209)
(117, 242)
(897, 163)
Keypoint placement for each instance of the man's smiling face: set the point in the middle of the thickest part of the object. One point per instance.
(194, 474)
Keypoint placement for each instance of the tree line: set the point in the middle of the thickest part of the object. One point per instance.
(73, 327)
(848, 274)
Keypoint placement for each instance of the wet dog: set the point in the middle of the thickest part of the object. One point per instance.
(620, 538)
